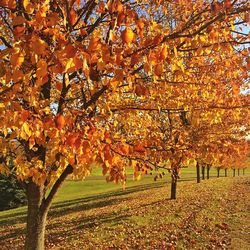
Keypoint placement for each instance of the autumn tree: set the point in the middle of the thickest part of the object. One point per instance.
(84, 82)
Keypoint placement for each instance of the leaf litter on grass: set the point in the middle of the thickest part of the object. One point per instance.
(209, 215)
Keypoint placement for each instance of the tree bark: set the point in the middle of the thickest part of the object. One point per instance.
(174, 184)
(36, 218)
(208, 172)
(203, 172)
(234, 172)
(225, 172)
(218, 172)
(198, 173)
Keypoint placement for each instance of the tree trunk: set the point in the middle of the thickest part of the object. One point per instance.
(203, 172)
(198, 172)
(234, 172)
(174, 184)
(225, 172)
(36, 218)
(243, 171)
(208, 170)
(38, 207)
(218, 172)
(238, 172)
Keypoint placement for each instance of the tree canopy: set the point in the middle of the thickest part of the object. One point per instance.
(120, 83)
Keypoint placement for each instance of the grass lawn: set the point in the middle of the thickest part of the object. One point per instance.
(93, 214)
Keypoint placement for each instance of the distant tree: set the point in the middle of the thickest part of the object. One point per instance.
(12, 194)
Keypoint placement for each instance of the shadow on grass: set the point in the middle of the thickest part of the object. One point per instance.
(86, 203)
(106, 195)
(82, 204)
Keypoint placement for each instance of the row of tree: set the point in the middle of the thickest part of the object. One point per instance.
(145, 84)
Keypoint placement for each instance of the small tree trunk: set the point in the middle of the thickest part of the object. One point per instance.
(225, 172)
(234, 172)
(203, 172)
(174, 184)
(198, 175)
(208, 170)
(243, 171)
(36, 218)
(238, 172)
(218, 172)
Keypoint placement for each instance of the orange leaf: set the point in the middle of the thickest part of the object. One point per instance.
(71, 139)
(140, 24)
(17, 75)
(24, 115)
(139, 148)
(41, 68)
(38, 45)
(158, 69)
(228, 4)
(60, 121)
(17, 59)
(19, 31)
(125, 149)
(164, 53)
(71, 160)
(18, 20)
(141, 90)
(73, 17)
(121, 18)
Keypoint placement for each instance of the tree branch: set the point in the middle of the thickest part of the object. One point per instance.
(5, 42)
(47, 202)
(95, 97)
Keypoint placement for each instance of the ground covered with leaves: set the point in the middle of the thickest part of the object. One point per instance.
(211, 215)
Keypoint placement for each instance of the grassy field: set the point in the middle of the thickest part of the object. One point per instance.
(96, 215)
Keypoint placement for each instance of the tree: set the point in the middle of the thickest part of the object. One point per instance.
(12, 195)
(75, 76)
(203, 168)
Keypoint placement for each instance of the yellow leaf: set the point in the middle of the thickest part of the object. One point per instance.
(133, 163)
(69, 65)
(66, 79)
(27, 129)
(5, 132)
(101, 65)
(127, 35)
(175, 51)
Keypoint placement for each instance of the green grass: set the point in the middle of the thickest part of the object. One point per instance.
(96, 184)
(78, 189)
(94, 213)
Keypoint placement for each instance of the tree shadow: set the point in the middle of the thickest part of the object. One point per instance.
(106, 195)
(84, 204)
(81, 204)
(15, 232)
